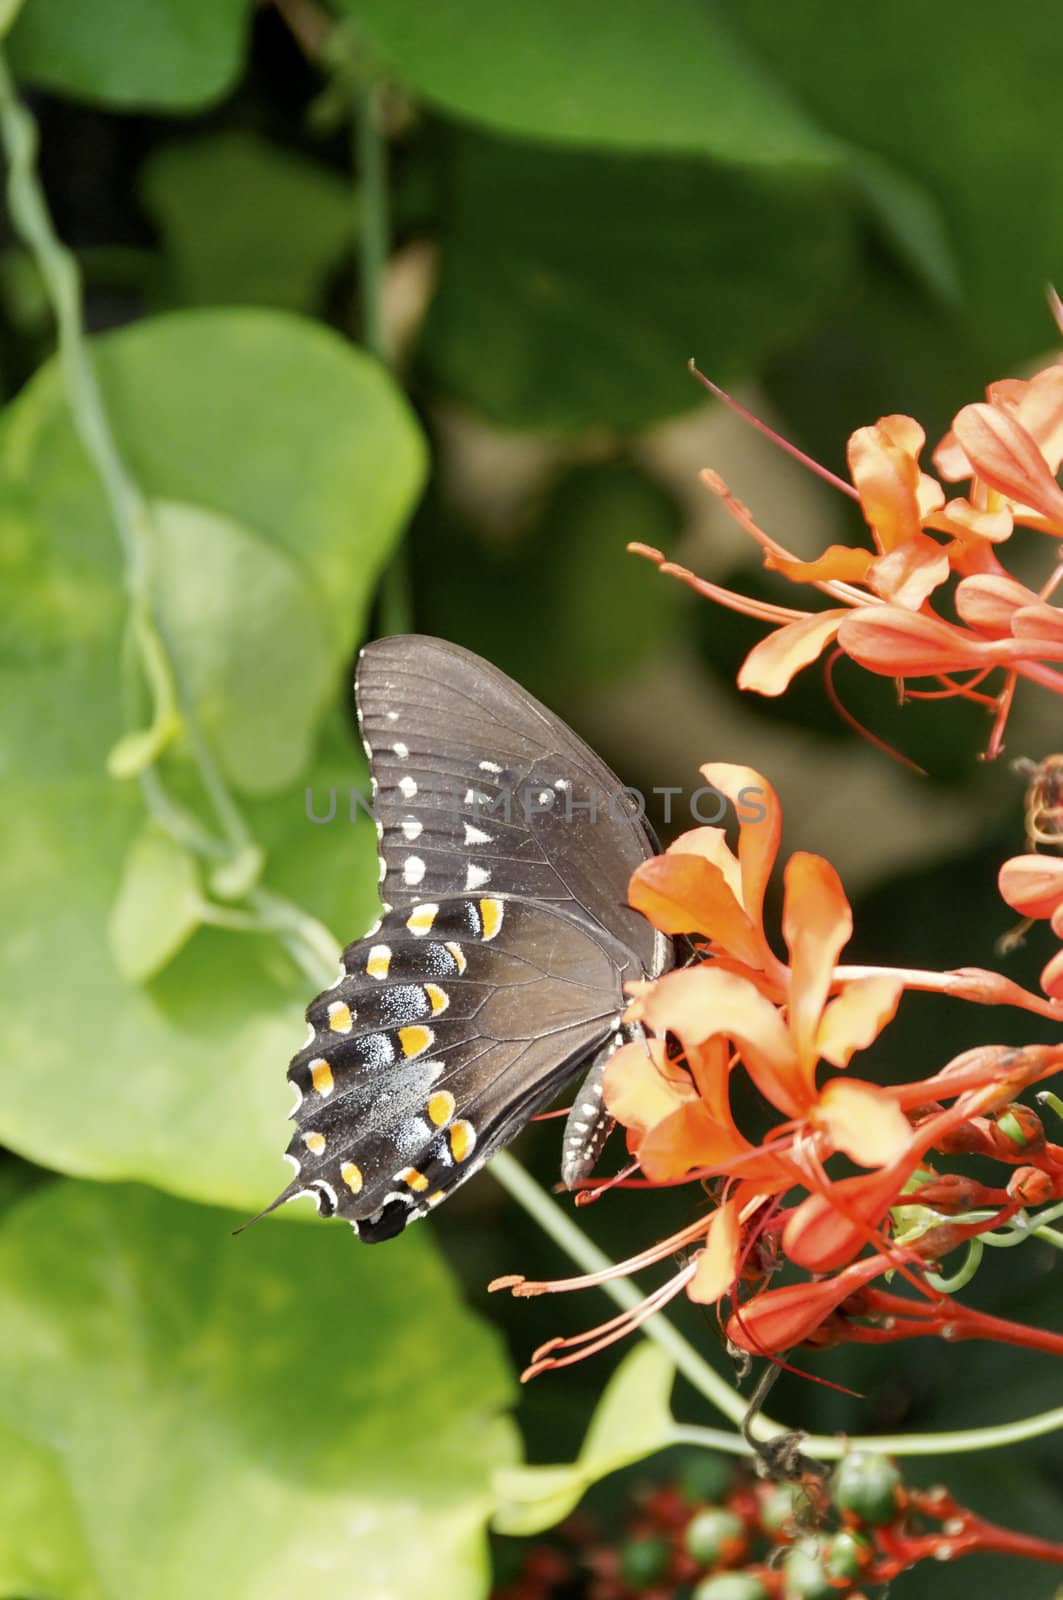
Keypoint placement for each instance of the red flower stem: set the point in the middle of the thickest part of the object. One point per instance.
(949, 1320)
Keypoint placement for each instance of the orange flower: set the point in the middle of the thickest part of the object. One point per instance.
(1009, 448)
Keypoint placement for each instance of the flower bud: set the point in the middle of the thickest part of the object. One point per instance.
(1030, 1185)
(644, 1562)
(804, 1577)
(848, 1555)
(1015, 1128)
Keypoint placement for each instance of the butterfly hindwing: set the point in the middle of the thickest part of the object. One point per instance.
(447, 1031)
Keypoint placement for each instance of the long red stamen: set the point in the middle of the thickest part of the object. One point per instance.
(857, 726)
(776, 438)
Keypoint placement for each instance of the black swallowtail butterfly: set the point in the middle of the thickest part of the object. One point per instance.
(497, 969)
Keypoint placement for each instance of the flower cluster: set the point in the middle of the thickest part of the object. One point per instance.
(739, 1007)
(757, 1541)
(928, 545)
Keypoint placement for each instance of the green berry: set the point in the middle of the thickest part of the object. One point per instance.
(843, 1559)
(866, 1486)
(704, 1476)
(731, 1586)
(644, 1562)
(781, 1507)
(803, 1574)
(713, 1534)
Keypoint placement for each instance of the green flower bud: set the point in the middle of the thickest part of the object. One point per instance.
(845, 1555)
(803, 1574)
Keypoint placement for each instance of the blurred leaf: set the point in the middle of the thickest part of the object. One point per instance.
(243, 622)
(575, 287)
(633, 1419)
(157, 53)
(596, 617)
(281, 427)
(9, 10)
(158, 905)
(246, 223)
(954, 96)
(223, 1417)
(673, 77)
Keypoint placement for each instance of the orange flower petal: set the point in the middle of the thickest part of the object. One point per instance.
(1052, 977)
(826, 1231)
(641, 1087)
(687, 894)
(863, 1122)
(771, 664)
(1006, 457)
(884, 466)
(856, 1016)
(839, 563)
(686, 1141)
(898, 643)
(950, 460)
(776, 1319)
(817, 923)
(1040, 410)
(759, 827)
(712, 844)
(960, 516)
(717, 1264)
(990, 603)
(910, 572)
(1039, 621)
(1032, 884)
(700, 1003)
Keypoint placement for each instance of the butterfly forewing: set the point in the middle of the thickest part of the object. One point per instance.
(498, 967)
(478, 787)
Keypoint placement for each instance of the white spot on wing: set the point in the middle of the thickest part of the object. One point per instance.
(408, 787)
(490, 766)
(476, 835)
(412, 828)
(412, 871)
(476, 877)
(401, 750)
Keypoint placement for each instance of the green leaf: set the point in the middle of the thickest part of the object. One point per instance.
(158, 906)
(972, 136)
(632, 1421)
(218, 1416)
(267, 422)
(243, 624)
(246, 223)
(592, 73)
(173, 56)
(9, 10)
(575, 287)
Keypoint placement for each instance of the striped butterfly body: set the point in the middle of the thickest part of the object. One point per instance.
(497, 970)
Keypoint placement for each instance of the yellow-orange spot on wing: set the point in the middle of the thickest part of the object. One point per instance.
(458, 953)
(352, 1177)
(438, 998)
(414, 1041)
(490, 918)
(421, 918)
(379, 961)
(315, 1142)
(414, 1179)
(321, 1076)
(434, 1199)
(462, 1139)
(340, 1017)
(441, 1107)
